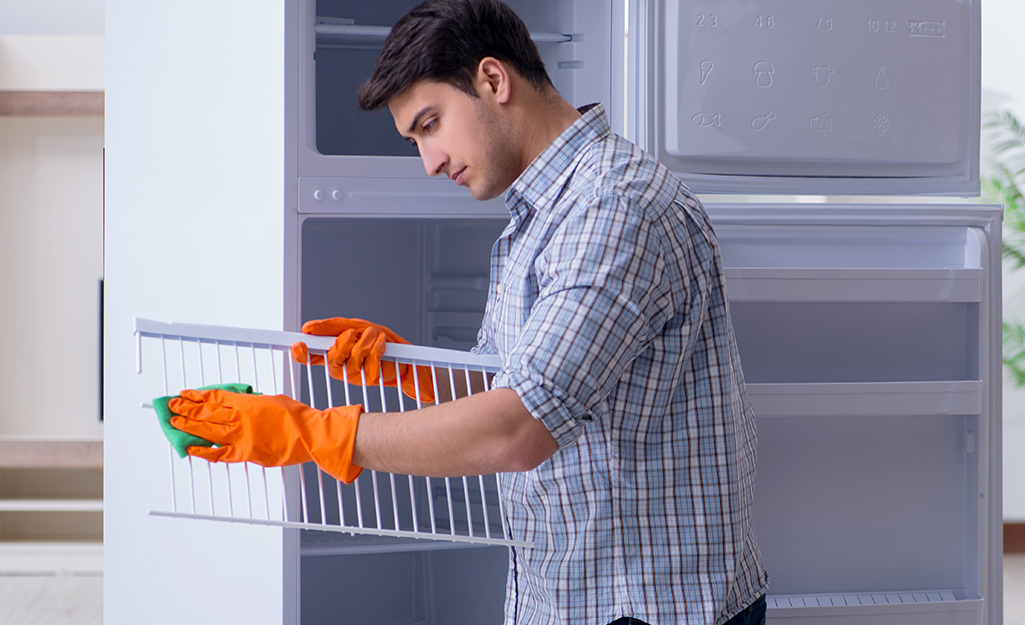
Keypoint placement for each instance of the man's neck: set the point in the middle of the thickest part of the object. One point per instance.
(545, 117)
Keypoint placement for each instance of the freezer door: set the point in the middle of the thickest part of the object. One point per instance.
(830, 97)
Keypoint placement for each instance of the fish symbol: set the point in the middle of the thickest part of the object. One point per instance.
(706, 68)
(706, 119)
(759, 123)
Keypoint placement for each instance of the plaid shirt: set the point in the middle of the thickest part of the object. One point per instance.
(607, 306)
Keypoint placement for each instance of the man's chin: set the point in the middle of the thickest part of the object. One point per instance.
(484, 195)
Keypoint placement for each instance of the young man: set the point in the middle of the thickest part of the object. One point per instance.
(620, 411)
(608, 308)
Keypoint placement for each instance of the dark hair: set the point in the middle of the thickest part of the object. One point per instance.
(444, 41)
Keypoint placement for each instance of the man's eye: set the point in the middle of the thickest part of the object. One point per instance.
(429, 126)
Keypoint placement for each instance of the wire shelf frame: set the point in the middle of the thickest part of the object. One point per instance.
(455, 510)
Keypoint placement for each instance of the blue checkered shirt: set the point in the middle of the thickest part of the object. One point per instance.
(607, 306)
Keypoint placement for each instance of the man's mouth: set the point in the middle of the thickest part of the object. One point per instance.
(458, 177)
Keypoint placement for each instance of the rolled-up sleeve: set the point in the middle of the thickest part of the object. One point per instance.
(602, 294)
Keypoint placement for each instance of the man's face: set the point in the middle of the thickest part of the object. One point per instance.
(459, 136)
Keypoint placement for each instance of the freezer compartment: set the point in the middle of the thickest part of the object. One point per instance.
(341, 40)
(848, 98)
(871, 516)
(425, 278)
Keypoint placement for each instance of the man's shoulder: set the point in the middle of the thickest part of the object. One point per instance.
(614, 166)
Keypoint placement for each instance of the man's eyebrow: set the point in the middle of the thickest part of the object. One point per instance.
(416, 119)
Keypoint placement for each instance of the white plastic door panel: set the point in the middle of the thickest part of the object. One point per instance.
(830, 97)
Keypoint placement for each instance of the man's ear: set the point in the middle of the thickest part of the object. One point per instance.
(494, 80)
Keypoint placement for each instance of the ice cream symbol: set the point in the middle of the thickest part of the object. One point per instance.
(758, 123)
(822, 74)
(763, 73)
(882, 82)
(706, 69)
(706, 119)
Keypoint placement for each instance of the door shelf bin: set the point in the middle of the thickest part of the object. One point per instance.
(757, 284)
(951, 607)
(960, 397)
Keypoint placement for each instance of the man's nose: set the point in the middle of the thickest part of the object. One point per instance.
(434, 160)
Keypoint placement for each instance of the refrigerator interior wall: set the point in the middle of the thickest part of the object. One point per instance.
(864, 334)
(427, 279)
(405, 587)
(835, 98)
(341, 39)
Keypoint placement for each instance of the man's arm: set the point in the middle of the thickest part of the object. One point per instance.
(484, 433)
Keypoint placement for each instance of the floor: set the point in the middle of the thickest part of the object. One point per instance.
(50, 600)
(1014, 589)
(42, 600)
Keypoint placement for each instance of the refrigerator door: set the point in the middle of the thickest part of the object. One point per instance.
(829, 98)
(870, 339)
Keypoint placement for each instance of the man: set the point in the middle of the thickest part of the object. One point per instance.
(620, 411)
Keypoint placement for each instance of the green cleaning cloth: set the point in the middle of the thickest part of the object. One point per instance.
(183, 440)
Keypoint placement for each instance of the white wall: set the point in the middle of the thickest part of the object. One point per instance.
(51, 229)
(1003, 82)
(51, 17)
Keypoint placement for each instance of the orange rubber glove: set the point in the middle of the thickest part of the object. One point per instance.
(360, 344)
(269, 430)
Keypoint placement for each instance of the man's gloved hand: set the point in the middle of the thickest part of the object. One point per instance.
(360, 344)
(269, 430)
(179, 440)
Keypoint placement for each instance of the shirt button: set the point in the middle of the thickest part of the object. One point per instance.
(498, 289)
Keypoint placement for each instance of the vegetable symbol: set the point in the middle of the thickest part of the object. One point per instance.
(822, 74)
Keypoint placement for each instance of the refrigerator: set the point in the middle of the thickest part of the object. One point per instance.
(244, 188)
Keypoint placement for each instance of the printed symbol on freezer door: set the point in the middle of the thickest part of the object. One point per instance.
(759, 123)
(763, 74)
(822, 123)
(706, 69)
(882, 82)
(881, 123)
(822, 74)
(706, 119)
(927, 29)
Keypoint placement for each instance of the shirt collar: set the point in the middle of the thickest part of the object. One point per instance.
(542, 180)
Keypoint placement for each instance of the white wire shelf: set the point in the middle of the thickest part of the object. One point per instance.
(466, 510)
(353, 34)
